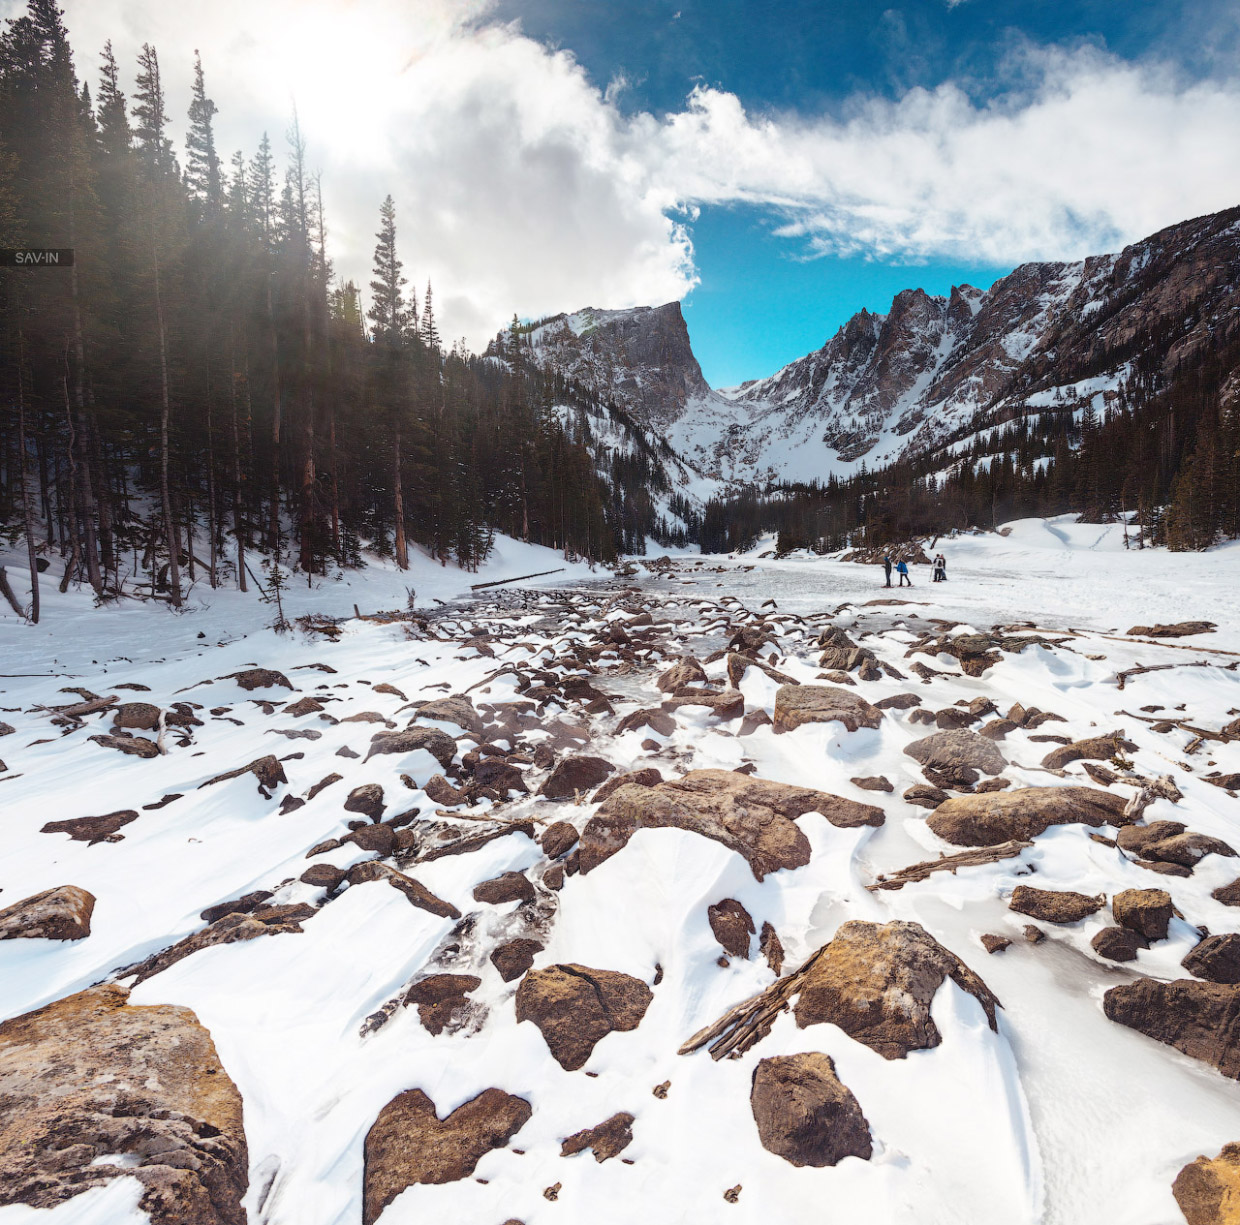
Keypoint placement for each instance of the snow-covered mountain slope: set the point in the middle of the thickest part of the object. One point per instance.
(907, 382)
(408, 998)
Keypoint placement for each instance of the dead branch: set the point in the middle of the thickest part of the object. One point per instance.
(949, 863)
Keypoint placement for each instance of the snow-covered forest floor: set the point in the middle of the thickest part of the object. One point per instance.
(1059, 1114)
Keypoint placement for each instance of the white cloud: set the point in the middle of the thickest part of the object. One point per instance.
(521, 185)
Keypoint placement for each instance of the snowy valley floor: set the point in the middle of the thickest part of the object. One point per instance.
(1061, 1115)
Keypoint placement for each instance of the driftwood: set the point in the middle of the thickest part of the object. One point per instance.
(500, 582)
(1140, 670)
(1201, 733)
(1162, 788)
(78, 709)
(949, 863)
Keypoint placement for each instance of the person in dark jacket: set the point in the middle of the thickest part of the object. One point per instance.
(887, 567)
(940, 568)
(902, 571)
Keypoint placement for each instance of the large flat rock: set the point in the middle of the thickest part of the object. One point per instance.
(55, 914)
(1001, 816)
(799, 704)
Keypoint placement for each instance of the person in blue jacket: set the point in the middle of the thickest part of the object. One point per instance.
(902, 571)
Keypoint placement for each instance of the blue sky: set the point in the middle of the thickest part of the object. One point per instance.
(761, 299)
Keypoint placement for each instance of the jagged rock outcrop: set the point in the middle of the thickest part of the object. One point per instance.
(1208, 1189)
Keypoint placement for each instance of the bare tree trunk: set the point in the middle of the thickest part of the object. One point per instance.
(27, 504)
(236, 450)
(71, 530)
(402, 551)
(174, 567)
(273, 531)
(335, 485)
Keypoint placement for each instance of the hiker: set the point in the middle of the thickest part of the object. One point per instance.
(940, 568)
(887, 567)
(902, 571)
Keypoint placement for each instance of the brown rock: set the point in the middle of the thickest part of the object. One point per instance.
(500, 776)
(514, 957)
(1229, 895)
(875, 783)
(268, 770)
(1144, 911)
(1118, 944)
(1096, 748)
(575, 774)
(303, 706)
(655, 718)
(1208, 1189)
(610, 1138)
(995, 944)
(751, 816)
(732, 925)
(380, 839)
(805, 1114)
(323, 784)
(1169, 842)
(437, 743)
(417, 893)
(1035, 935)
(877, 983)
(798, 704)
(898, 701)
(89, 1076)
(1023, 813)
(649, 777)
(246, 904)
(440, 791)
(754, 720)
(1216, 959)
(137, 716)
(323, 876)
(441, 1000)
(925, 796)
(686, 672)
(457, 709)
(409, 1143)
(62, 913)
(725, 704)
(772, 948)
(132, 746)
(259, 678)
(510, 887)
(575, 1007)
(996, 729)
(1181, 629)
(1054, 906)
(958, 755)
(92, 829)
(1200, 1019)
(366, 799)
(559, 838)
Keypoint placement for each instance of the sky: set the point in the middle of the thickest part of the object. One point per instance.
(776, 167)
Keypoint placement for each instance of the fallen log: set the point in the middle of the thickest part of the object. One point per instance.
(1140, 670)
(949, 863)
(501, 581)
(1202, 733)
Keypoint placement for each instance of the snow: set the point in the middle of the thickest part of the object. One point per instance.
(1061, 1118)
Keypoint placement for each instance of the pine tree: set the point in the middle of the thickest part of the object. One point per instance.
(151, 115)
(202, 165)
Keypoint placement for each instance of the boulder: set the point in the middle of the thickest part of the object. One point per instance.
(302, 707)
(408, 1143)
(752, 816)
(137, 716)
(724, 704)
(62, 913)
(686, 671)
(500, 776)
(514, 957)
(440, 791)
(1200, 1019)
(772, 948)
(732, 925)
(1144, 911)
(366, 799)
(574, 775)
(655, 718)
(436, 742)
(558, 838)
(649, 777)
(798, 704)
(925, 796)
(268, 770)
(1001, 816)
(957, 756)
(1096, 748)
(92, 829)
(1053, 905)
(323, 876)
(132, 746)
(898, 701)
(877, 983)
(575, 1007)
(441, 1000)
(457, 709)
(1170, 842)
(805, 1113)
(247, 903)
(1216, 959)
(1180, 629)
(1118, 944)
(1208, 1189)
(610, 1138)
(878, 782)
(90, 1077)
(415, 892)
(380, 839)
(1228, 894)
(259, 678)
(510, 887)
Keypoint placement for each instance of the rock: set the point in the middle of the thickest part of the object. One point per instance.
(345, 751)
(1229, 895)
(875, 783)
(898, 701)
(997, 729)
(90, 1076)
(655, 718)
(500, 776)
(409, 1143)
(733, 1194)
(381, 839)
(440, 791)
(326, 781)
(137, 716)
(608, 1139)
(751, 816)
(510, 887)
(514, 957)
(7, 729)
(245, 904)
(1096, 748)
(805, 1114)
(303, 706)
(754, 720)
(93, 829)
(366, 799)
(732, 925)
(323, 876)
(957, 756)
(133, 746)
(1054, 906)
(259, 678)
(798, 704)
(772, 948)
(1200, 1019)
(457, 709)
(1216, 959)
(417, 894)
(1023, 813)
(384, 687)
(62, 913)
(1034, 935)
(575, 1007)
(1118, 944)
(574, 775)
(1169, 842)
(686, 672)
(1144, 911)
(877, 983)
(649, 777)
(437, 743)
(441, 1000)
(558, 839)
(267, 770)
(725, 704)
(995, 944)
(953, 718)
(925, 796)
(1208, 1189)
(1181, 629)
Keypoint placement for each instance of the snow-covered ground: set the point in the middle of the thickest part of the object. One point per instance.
(1061, 1117)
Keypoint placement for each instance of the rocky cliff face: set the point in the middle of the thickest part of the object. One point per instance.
(1048, 337)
